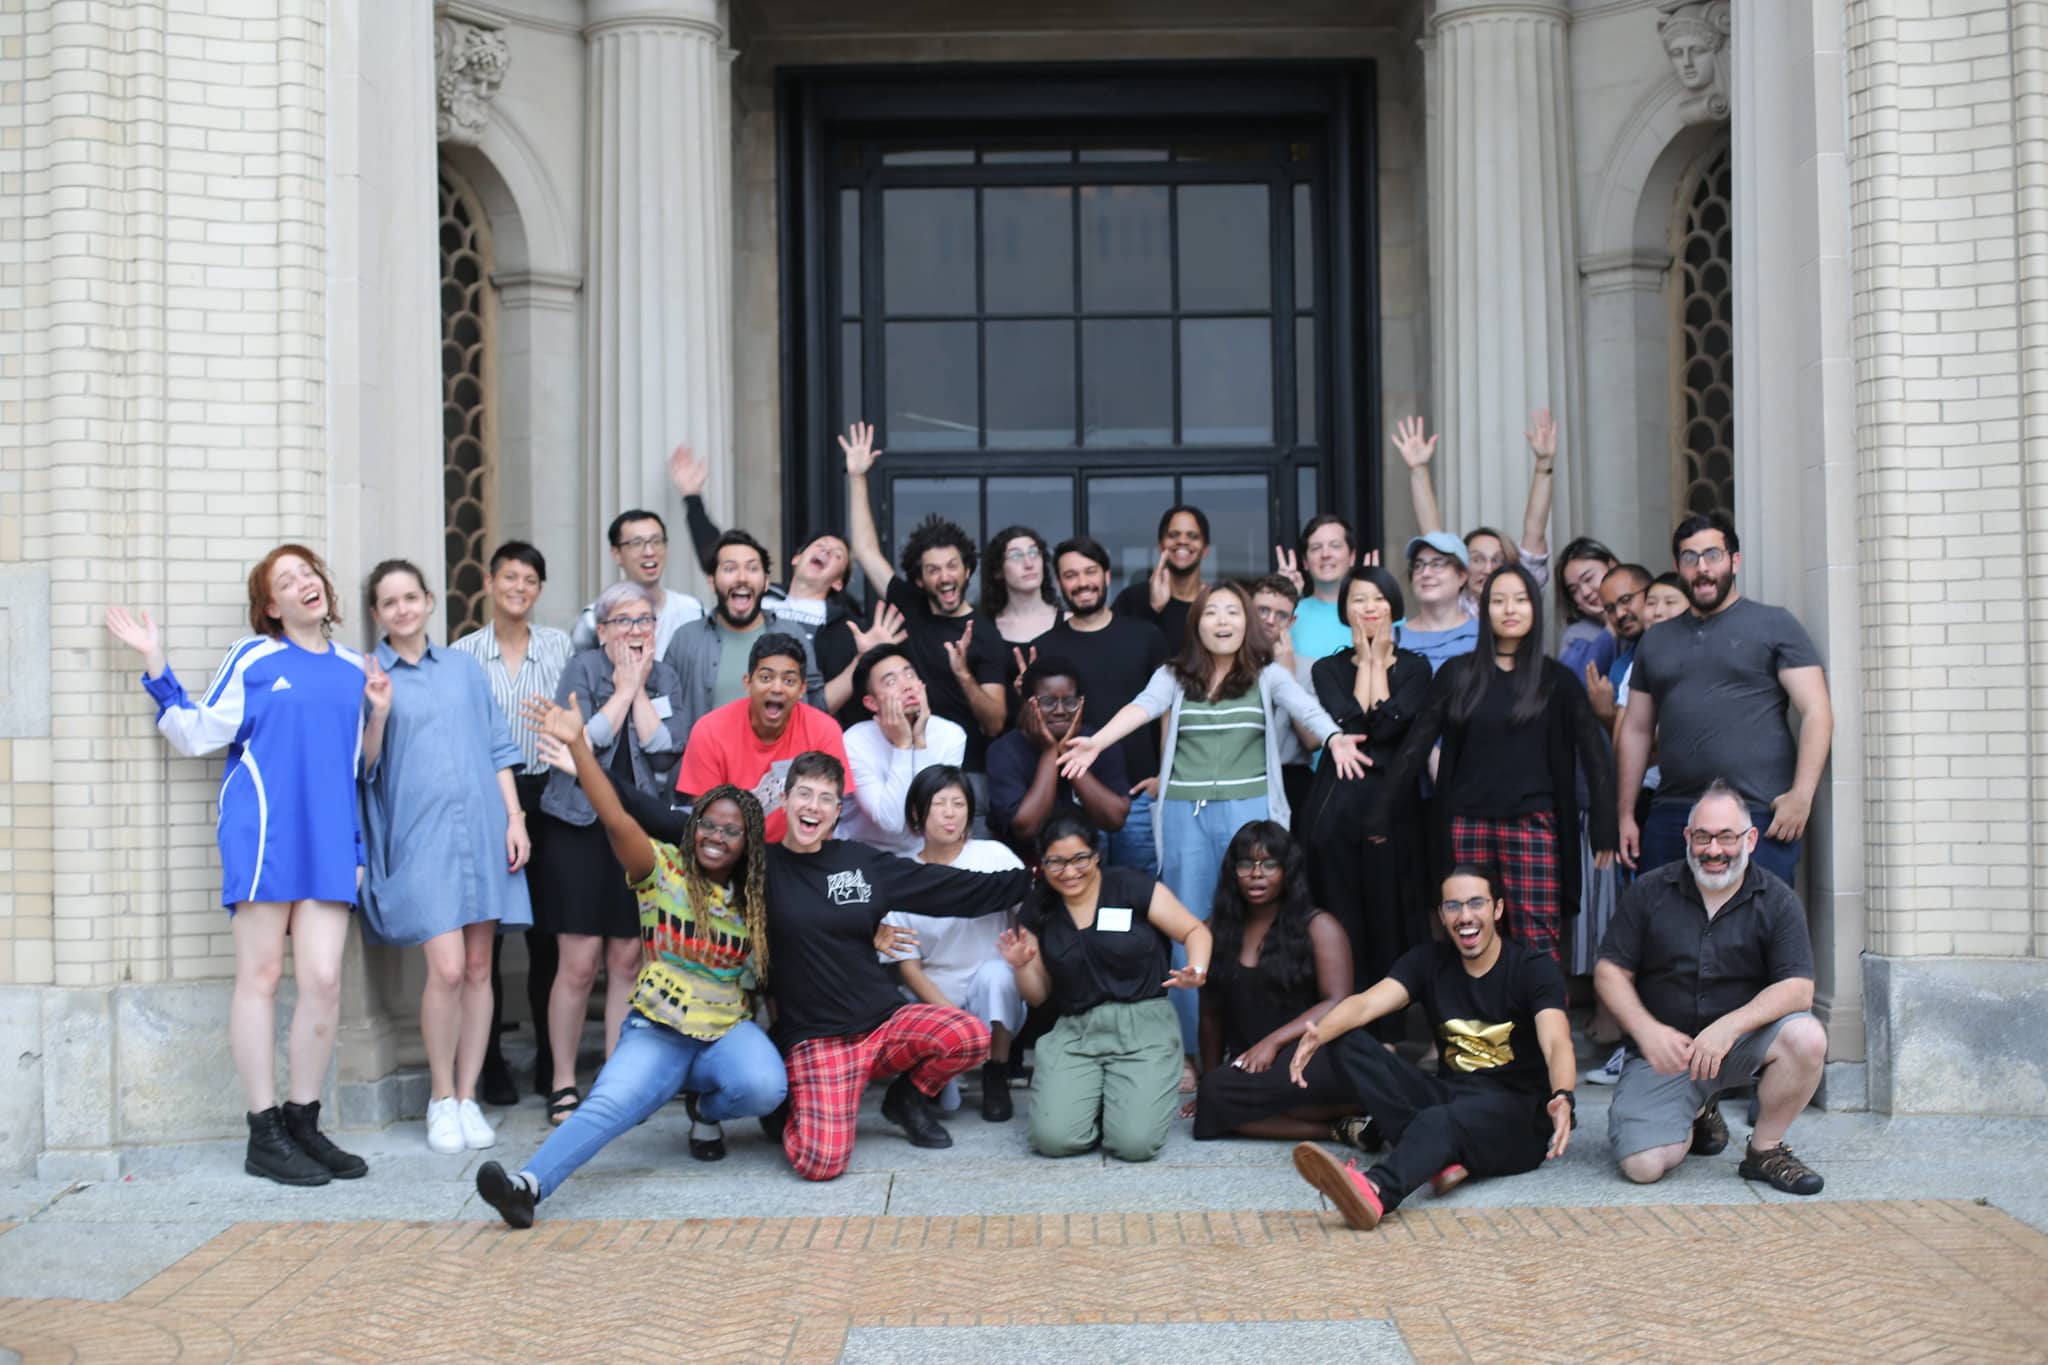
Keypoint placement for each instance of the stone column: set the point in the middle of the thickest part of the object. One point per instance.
(1504, 252)
(658, 200)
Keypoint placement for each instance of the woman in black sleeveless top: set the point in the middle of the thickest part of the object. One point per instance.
(1279, 963)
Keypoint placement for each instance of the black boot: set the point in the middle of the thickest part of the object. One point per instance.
(274, 1156)
(302, 1121)
(710, 1147)
(494, 1085)
(906, 1106)
(995, 1092)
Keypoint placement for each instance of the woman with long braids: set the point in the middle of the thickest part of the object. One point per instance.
(1515, 726)
(1280, 964)
(287, 705)
(703, 913)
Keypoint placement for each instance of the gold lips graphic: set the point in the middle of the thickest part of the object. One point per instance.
(1470, 1045)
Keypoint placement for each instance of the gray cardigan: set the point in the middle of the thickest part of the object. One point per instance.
(589, 676)
(1278, 693)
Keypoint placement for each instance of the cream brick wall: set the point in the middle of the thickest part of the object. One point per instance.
(1945, 109)
(161, 426)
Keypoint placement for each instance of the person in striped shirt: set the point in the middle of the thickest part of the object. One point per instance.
(521, 660)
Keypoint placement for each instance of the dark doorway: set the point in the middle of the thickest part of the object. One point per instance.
(1070, 299)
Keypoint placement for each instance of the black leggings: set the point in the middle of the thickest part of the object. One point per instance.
(541, 958)
(1432, 1123)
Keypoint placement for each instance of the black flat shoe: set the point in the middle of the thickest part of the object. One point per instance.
(995, 1093)
(494, 1085)
(906, 1106)
(710, 1148)
(507, 1194)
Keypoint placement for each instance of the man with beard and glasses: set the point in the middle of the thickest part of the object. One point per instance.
(1708, 968)
(1714, 687)
(710, 656)
(886, 752)
(751, 742)
(958, 652)
(1116, 656)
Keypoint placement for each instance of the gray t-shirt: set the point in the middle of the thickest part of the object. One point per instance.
(1720, 709)
(733, 649)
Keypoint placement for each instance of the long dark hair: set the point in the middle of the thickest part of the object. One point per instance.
(995, 593)
(1192, 665)
(1532, 684)
(1287, 953)
(1044, 901)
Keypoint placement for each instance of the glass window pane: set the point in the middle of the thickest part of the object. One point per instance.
(1240, 530)
(932, 392)
(853, 400)
(1124, 261)
(1027, 243)
(929, 156)
(1225, 248)
(1123, 513)
(928, 250)
(1030, 383)
(1123, 153)
(1127, 383)
(1305, 372)
(1026, 156)
(1306, 501)
(1226, 381)
(912, 500)
(1220, 151)
(1045, 503)
(849, 252)
(1304, 249)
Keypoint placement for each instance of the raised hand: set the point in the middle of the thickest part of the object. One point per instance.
(1024, 661)
(630, 671)
(1289, 564)
(1186, 978)
(1031, 724)
(859, 445)
(1369, 559)
(140, 634)
(1599, 691)
(562, 724)
(895, 941)
(555, 754)
(687, 472)
(1018, 947)
(956, 655)
(1081, 753)
(894, 721)
(886, 630)
(1160, 586)
(376, 686)
(1411, 444)
(1542, 436)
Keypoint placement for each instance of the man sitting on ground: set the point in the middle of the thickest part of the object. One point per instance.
(751, 742)
(886, 752)
(1708, 968)
(1501, 1100)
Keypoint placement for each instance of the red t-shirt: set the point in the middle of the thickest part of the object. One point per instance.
(724, 748)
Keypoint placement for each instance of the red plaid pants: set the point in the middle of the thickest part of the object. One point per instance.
(1524, 851)
(827, 1075)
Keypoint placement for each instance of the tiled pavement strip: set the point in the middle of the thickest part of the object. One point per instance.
(916, 1255)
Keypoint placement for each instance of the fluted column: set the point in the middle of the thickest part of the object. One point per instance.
(658, 287)
(1504, 251)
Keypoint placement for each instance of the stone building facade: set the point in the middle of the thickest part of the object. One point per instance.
(1787, 256)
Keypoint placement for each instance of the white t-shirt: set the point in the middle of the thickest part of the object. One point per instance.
(809, 610)
(951, 950)
(881, 779)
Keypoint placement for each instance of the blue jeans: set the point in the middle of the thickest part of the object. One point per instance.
(737, 1076)
(1193, 836)
(1664, 840)
(1133, 845)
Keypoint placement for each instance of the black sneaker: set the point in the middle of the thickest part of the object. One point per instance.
(494, 1084)
(274, 1156)
(774, 1121)
(510, 1195)
(1710, 1131)
(302, 1121)
(1359, 1132)
(711, 1146)
(1783, 1170)
(905, 1106)
(995, 1092)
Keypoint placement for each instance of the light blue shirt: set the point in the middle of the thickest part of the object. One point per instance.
(1439, 646)
(1317, 631)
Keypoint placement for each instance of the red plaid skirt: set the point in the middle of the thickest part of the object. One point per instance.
(827, 1075)
(1524, 851)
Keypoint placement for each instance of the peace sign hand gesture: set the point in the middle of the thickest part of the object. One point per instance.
(1289, 564)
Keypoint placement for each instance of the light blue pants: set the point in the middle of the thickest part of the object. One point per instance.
(1133, 845)
(1193, 836)
(737, 1076)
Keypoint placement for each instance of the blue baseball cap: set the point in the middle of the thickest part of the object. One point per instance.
(1443, 542)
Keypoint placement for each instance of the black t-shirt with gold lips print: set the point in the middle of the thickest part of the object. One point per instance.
(1485, 1025)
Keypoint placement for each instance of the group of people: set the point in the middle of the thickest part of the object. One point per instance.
(1180, 846)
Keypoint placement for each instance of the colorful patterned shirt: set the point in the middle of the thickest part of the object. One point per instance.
(692, 956)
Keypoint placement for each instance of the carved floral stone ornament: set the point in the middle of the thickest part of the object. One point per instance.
(469, 65)
(1695, 38)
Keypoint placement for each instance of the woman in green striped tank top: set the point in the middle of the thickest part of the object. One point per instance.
(1227, 706)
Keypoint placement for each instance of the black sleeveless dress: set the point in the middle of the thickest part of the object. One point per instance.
(1253, 1005)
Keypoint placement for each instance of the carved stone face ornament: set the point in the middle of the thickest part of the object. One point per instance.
(1694, 34)
(469, 65)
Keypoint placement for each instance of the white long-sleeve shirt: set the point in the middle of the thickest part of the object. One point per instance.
(881, 779)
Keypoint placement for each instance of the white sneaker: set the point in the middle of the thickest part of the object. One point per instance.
(444, 1125)
(1610, 1073)
(477, 1132)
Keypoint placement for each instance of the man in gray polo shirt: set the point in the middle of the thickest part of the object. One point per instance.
(1707, 967)
(1716, 688)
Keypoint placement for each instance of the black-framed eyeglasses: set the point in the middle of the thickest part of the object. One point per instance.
(629, 622)
(729, 831)
(1474, 904)
(1258, 864)
(1625, 599)
(1079, 862)
(1730, 839)
(1692, 559)
(1062, 705)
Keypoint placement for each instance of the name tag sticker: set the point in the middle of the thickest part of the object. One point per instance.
(1113, 919)
(663, 707)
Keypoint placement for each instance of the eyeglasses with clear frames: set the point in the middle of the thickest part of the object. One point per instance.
(729, 831)
(642, 544)
(1692, 559)
(1258, 865)
(1474, 904)
(1029, 554)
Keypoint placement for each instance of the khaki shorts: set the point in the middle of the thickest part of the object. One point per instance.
(1651, 1110)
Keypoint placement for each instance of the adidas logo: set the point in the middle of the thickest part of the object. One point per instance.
(281, 685)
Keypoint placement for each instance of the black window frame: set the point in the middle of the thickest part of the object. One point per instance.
(1332, 102)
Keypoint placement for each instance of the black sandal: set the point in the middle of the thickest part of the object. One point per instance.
(562, 1103)
(704, 1149)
